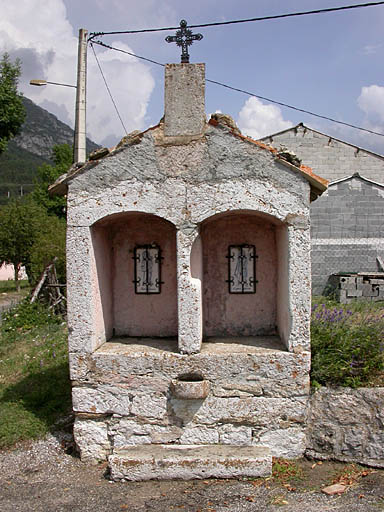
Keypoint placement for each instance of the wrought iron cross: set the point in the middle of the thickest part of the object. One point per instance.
(184, 38)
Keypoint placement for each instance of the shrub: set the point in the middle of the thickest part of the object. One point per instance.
(347, 344)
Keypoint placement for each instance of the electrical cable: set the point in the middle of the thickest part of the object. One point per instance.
(128, 53)
(269, 100)
(296, 108)
(109, 91)
(232, 22)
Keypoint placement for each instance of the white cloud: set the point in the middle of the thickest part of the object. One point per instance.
(371, 101)
(131, 84)
(47, 45)
(258, 120)
(371, 49)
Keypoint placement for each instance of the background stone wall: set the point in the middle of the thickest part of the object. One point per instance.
(347, 425)
(329, 158)
(347, 221)
(347, 225)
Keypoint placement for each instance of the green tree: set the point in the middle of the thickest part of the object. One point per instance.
(62, 156)
(12, 111)
(17, 232)
(48, 245)
(31, 238)
(46, 175)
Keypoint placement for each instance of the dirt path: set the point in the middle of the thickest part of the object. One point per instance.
(40, 476)
(8, 299)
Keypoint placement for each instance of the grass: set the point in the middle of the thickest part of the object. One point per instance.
(347, 343)
(347, 349)
(9, 286)
(285, 470)
(34, 381)
(286, 474)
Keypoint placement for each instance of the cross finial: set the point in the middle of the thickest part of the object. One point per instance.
(184, 38)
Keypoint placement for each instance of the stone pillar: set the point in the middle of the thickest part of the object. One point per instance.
(184, 100)
(299, 278)
(86, 330)
(189, 292)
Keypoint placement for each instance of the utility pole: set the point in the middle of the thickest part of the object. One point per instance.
(80, 113)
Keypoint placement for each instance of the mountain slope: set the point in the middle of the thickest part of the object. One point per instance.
(32, 148)
(42, 130)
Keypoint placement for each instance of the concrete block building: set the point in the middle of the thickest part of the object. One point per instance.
(189, 297)
(347, 222)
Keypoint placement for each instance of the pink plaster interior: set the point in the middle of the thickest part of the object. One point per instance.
(228, 314)
(138, 315)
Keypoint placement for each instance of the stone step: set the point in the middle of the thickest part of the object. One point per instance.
(188, 462)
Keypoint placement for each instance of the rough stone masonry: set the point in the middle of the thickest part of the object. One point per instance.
(195, 368)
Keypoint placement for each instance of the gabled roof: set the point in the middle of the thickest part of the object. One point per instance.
(318, 184)
(356, 175)
(302, 125)
(60, 186)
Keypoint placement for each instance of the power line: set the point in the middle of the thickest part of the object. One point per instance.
(128, 53)
(247, 20)
(108, 89)
(252, 94)
(295, 108)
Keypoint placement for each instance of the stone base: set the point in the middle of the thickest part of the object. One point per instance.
(188, 462)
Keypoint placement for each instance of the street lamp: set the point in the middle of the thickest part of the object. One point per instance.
(80, 127)
(39, 83)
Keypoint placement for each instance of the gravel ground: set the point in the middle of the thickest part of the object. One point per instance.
(41, 476)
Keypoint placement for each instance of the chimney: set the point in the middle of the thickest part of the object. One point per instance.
(184, 103)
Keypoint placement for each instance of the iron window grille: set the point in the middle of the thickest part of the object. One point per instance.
(147, 260)
(241, 268)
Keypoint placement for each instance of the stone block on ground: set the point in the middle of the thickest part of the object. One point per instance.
(189, 462)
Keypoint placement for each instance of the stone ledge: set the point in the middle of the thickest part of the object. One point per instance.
(190, 462)
(375, 463)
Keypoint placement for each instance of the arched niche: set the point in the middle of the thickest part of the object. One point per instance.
(259, 310)
(127, 309)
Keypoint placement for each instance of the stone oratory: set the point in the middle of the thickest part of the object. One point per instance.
(189, 288)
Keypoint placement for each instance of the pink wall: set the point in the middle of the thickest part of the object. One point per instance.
(7, 272)
(228, 314)
(136, 314)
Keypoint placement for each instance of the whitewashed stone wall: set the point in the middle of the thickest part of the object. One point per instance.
(123, 396)
(347, 425)
(223, 174)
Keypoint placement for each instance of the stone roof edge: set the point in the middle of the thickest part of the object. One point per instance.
(60, 186)
(325, 135)
(356, 175)
(318, 183)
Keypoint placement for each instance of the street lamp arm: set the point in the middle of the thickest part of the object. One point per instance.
(40, 83)
(80, 137)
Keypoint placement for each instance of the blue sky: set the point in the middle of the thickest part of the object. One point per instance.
(331, 64)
